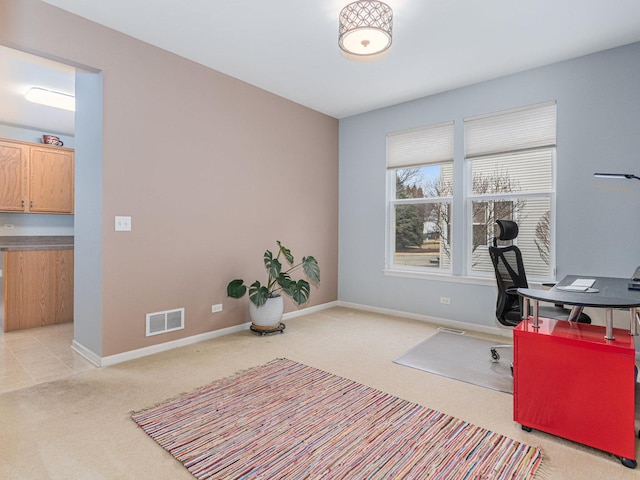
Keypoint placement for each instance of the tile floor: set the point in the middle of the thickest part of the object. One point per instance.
(38, 355)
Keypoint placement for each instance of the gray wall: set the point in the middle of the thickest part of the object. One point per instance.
(27, 134)
(597, 223)
(87, 312)
(20, 224)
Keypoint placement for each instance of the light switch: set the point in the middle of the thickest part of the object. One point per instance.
(123, 224)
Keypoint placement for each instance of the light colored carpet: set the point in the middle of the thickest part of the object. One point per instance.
(464, 358)
(80, 428)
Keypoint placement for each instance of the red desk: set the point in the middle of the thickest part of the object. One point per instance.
(571, 382)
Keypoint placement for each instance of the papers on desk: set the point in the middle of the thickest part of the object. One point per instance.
(579, 285)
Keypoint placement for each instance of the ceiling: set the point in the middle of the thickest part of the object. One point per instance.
(289, 47)
(18, 73)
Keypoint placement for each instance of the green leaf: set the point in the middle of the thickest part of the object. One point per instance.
(284, 280)
(286, 252)
(278, 280)
(300, 291)
(311, 268)
(258, 294)
(272, 265)
(268, 258)
(236, 288)
(286, 283)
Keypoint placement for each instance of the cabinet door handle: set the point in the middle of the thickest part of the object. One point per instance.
(22, 203)
(31, 204)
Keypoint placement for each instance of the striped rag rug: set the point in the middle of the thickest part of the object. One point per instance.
(286, 420)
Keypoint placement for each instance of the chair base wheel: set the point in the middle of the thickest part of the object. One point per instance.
(495, 356)
(627, 462)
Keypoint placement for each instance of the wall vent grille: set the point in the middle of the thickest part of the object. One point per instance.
(163, 322)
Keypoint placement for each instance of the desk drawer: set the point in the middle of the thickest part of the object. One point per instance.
(576, 389)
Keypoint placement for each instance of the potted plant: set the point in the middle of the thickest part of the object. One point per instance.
(266, 303)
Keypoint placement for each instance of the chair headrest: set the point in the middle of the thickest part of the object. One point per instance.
(508, 229)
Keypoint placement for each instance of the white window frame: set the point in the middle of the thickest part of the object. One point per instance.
(391, 224)
(506, 132)
(514, 198)
(419, 147)
(497, 146)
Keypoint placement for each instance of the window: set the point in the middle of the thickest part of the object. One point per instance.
(419, 193)
(510, 164)
(483, 215)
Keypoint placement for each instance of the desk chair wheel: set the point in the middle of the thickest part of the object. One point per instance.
(627, 462)
(495, 356)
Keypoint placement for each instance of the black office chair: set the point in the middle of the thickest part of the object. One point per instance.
(510, 275)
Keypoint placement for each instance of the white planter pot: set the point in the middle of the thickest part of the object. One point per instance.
(269, 314)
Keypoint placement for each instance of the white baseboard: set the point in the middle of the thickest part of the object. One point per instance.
(164, 347)
(182, 342)
(308, 310)
(86, 353)
(426, 318)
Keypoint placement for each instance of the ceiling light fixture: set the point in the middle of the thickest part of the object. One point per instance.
(365, 30)
(628, 176)
(51, 98)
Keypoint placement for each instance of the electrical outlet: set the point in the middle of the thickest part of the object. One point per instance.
(123, 224)
(445, 300)
(216, 308)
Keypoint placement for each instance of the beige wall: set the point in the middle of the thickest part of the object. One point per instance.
(213, 171)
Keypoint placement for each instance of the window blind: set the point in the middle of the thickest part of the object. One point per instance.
(420, 146)
(524, 128)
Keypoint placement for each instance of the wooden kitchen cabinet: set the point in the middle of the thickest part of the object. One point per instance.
(13, 175)
(38, 288)
(36, 178)
(51, 180)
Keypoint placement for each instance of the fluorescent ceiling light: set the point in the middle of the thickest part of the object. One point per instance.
(51, 98)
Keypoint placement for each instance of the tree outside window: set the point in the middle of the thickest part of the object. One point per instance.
(513, 186)
(422, 211)
(508, 170)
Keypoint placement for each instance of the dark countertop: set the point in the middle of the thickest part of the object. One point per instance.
(36, 243)
(607, 292)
